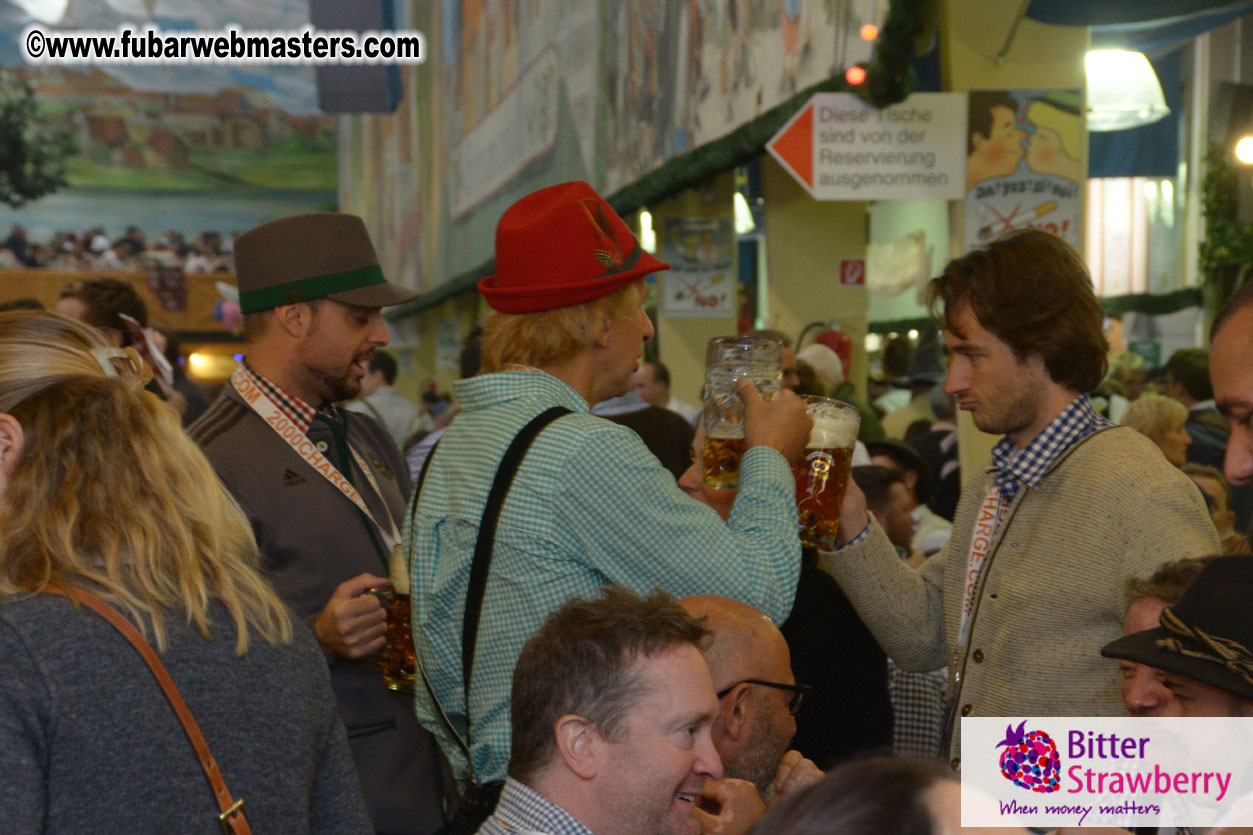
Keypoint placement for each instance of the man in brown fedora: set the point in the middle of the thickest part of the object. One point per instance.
(325, 490)
(589, 506)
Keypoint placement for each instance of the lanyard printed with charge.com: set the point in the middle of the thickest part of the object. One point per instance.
(295, 437)
(991, 516)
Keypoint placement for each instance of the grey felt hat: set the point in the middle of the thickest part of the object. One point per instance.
(1206, 636)
(312, 256)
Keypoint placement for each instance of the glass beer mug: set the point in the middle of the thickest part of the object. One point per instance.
(822, 475)
(727, 359)
(398, 656)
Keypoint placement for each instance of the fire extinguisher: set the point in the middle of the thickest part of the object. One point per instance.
(833, 338)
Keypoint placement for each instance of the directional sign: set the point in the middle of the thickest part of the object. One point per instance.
(840, 148)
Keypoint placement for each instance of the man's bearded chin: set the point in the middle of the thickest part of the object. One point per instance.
(338, 387)
(759, 762)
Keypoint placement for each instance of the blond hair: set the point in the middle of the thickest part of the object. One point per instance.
(1167, 583)
(1125, 361)
(1045, 114)
(109, 494)
(554, 336)
(1154, 415)
(1213, 473)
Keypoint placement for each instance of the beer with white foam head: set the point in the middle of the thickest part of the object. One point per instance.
(822, 475)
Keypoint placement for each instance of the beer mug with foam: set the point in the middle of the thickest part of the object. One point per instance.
(398, 656)
(726, 360)
(822, 475)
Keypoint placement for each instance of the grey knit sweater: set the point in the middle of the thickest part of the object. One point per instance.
(89, 744)
(1110, 509)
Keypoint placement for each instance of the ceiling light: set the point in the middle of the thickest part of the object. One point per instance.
(743, 216)
(1123, 90)
(1244, 150)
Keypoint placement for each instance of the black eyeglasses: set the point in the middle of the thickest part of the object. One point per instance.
(798, 691)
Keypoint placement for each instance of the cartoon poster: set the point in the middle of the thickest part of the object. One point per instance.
(701, 279)
(1024, 164)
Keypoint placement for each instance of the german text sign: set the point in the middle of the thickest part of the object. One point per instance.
(840, 148)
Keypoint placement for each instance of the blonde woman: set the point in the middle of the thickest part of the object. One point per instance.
(1161, 420)
(100, 491)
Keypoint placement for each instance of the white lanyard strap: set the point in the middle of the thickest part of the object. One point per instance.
(296, 438)
(991, 516)
(394, 534)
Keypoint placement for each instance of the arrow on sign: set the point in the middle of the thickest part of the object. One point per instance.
(793, 146)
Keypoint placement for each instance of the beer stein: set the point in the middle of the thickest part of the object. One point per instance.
(727, 359)
(398, 656)
(822, 475)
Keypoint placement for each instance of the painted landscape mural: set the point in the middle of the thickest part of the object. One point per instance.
(182, 148)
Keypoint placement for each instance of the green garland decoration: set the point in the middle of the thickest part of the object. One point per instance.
(1115, 306)
(1227, 250)
(890, 78)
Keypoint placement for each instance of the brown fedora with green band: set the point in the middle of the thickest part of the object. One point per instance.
(323, 255)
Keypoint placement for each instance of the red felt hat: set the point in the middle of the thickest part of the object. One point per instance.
(560, 246)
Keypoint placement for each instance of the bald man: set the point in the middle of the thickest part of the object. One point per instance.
(757, 697)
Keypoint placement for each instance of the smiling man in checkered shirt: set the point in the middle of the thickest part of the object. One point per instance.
(613, 706)
(1027, 590)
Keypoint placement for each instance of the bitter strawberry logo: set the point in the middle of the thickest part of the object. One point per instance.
(1030, 759)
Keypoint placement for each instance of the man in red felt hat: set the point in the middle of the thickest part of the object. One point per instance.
(589, 505)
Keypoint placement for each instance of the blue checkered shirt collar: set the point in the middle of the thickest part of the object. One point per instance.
(1030, 465)
(486, 391)
(522, 808)
(293, 408)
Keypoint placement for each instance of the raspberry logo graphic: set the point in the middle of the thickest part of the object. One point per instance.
(1030, 759)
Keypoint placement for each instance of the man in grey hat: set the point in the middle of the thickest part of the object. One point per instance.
(325, 490)
(1201, 647)
(1202, 643)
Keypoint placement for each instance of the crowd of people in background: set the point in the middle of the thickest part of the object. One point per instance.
(1173, 406)
(94, 249)
(605, 644)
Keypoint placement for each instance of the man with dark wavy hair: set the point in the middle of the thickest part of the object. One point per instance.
(1028, 588)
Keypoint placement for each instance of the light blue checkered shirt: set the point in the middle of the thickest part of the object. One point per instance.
(1028, 466)
(522, 809)
(591, 506)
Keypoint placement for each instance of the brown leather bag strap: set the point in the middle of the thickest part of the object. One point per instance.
(232, 818)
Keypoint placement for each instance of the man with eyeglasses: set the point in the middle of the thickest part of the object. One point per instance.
(758, 697)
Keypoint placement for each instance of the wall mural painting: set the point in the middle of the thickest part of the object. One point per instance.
(526, 93)
(203, 146)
